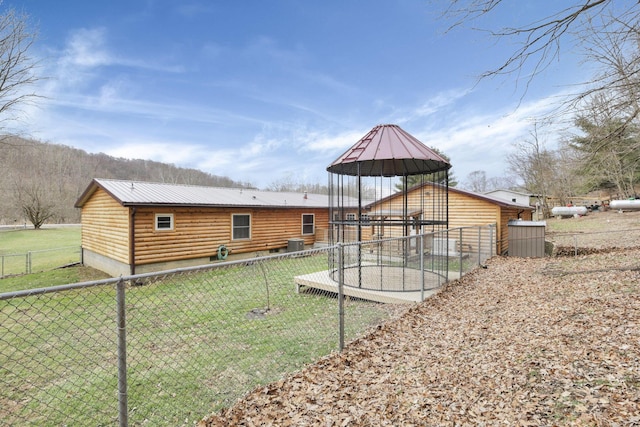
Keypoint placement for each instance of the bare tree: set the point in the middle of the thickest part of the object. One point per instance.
(35, 204)
(540, 42)
(545, 173)
(476, 181)
(17, 68)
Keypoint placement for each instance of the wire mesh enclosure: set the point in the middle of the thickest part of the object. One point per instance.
(390, 185)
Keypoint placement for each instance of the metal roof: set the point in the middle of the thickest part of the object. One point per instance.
(135, 193)
(388, 150)
(491, 199)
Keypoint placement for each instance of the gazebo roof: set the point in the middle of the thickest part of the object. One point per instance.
(388, 150)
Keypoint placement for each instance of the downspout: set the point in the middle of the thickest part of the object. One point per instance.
(132, 241)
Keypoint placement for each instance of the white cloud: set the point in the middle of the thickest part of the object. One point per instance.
(324, 142)
(482, 141)
(174, 152)
(86, 48)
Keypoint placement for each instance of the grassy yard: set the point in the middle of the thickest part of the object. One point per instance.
(195, 343)
(21, 241)
(29, 251)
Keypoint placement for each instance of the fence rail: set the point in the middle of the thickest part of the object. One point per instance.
(578, 243)
(41, 260)
(169, 348)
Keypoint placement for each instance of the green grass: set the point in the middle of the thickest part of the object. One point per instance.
(192, 346)
(48, 249)
(45, 279)
(21, 241)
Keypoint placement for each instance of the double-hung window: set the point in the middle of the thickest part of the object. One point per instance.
(241, 226)
(308, 223)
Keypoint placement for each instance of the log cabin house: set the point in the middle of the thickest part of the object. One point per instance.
(137, 227)
(466, 209)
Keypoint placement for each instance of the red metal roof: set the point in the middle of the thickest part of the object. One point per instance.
(388, 150)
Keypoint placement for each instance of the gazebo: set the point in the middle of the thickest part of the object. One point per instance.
(386, 192)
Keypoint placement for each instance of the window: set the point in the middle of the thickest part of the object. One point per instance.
(241, 226)
(308, 223)
(164, 222)
(364, 219)
(351, 217)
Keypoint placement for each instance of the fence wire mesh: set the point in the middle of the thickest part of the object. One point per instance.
(572, 243)
(41, 260)
(194, 340)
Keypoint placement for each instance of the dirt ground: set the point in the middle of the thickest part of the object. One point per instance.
(525, 342)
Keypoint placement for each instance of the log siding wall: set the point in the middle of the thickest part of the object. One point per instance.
(198, 232)
(464, 211)
(105, 227)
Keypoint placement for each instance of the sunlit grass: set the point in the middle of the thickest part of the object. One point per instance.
(29, 251)
(194, 344)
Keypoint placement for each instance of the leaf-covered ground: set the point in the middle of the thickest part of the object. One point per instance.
(540, 342)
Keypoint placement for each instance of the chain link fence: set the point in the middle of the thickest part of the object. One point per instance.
(42, 260)
(171, 347)
(584, 243)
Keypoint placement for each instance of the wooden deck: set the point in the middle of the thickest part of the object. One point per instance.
(372, 279)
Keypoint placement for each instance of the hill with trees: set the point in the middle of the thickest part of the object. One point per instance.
(40, 182)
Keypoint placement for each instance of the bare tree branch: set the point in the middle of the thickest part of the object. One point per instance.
(541, 41)
(18, 70)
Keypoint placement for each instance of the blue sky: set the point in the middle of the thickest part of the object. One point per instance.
(262, 91)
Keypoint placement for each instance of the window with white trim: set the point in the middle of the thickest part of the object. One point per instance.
(351, 217)
(241, 226)
(164, 222)
(308, 223)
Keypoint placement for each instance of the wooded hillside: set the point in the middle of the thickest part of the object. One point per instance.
(50, 177)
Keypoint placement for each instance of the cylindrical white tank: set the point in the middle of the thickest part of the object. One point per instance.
(625, 204)
(568, 210)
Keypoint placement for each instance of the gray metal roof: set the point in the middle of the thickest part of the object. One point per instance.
(496, 200)
(135, 193)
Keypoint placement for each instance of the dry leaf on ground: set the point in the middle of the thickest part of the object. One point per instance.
(548, 341)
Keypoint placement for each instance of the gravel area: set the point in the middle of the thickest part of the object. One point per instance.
(524, 342)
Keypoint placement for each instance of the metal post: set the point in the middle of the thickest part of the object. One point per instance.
(446, 256)
(421, 255)
(479, 245)
(341, 295)
(123, 415)
(493, 245)
(460, 250)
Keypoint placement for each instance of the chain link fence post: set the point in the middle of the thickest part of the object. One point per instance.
(341, 295)
(460, 252)
(122, 355)
(421, 254)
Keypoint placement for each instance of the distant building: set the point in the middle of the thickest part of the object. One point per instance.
(514, 197)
